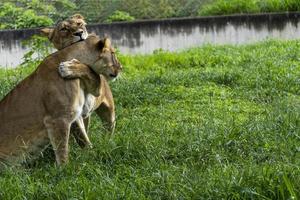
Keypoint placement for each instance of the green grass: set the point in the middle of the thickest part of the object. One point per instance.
(227, 7)
(217, 122)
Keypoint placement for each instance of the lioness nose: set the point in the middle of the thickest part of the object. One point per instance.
(79, 33)
(113, 75)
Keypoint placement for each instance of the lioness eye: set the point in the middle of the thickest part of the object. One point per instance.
(79, 24)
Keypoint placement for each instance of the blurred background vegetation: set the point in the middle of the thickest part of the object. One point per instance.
(15, 14)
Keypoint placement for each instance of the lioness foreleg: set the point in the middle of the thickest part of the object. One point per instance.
(91, 81)
(75, 69)
(80, 132)
(58, 133)
(107, 116)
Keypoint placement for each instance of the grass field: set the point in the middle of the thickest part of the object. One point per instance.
(217, 122)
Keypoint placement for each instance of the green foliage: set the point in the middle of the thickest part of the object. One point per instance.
(29, 19)
(63, 9)
(141, 9)
(37, 5)
(8, 9)
(119, 16)
(186, 8)
(39, 48)
(36, 13)
(221, 7)
(93, 10)
(216, 122)
(279, 5)
(148, 9)
(12, 17)
(230, 7)
(44, 13)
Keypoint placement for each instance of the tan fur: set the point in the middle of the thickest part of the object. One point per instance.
(42, 107)
(66, 32)
(103, 104)
(98, 97)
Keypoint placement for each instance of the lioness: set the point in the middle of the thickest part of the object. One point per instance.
(64, 34)
(42, 107)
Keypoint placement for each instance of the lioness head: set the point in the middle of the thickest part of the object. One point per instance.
(107, 64)
(67, 32)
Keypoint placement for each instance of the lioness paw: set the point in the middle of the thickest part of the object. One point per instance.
(66, 70)
(90, 146)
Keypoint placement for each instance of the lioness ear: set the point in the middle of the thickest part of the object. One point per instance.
(101, 44)
(107, 43)
(104, 44)
(47, 32)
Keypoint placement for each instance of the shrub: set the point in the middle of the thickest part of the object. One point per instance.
(221, 7)
(120, 16)
(12, 17)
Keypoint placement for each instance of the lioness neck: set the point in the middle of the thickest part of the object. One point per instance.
(85, 51)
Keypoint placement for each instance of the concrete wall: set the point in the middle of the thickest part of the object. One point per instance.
(173, 34)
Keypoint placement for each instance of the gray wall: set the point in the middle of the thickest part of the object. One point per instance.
(173, 34)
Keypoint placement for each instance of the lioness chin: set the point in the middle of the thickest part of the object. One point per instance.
(42, 107)
(98, 96)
